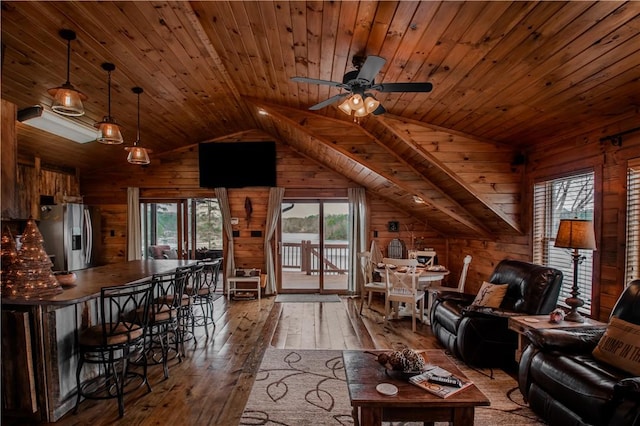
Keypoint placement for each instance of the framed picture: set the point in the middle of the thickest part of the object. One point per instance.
(394, 226)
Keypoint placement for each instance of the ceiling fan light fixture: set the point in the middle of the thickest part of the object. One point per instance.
(66, 99)
(108, 130)
(371, 104)
(355, 101)
(138, 154)
(361, 112)
(345, 107)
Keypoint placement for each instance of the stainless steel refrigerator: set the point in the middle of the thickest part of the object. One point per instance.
(68, 235)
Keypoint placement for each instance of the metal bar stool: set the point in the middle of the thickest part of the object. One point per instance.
(118, 339)
(165, 334)
(203, 291)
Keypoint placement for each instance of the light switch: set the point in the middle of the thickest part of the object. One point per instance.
(234, 220)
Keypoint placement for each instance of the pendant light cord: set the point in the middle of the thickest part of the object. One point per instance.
(109, 95)
(68, 61)
(138, 126)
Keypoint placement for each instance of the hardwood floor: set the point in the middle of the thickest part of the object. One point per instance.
(212, 383)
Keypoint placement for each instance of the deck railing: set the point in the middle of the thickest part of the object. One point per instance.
(306, 256)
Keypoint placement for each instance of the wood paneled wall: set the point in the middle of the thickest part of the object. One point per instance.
(558, 158)
(175, 176)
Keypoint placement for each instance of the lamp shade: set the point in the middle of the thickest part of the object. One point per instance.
(67, 100)
(576, 234)
(138, 155)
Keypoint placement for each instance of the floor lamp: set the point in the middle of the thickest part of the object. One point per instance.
(575, 234)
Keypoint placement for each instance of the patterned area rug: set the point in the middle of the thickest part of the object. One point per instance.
(306, 298)
(308, 387)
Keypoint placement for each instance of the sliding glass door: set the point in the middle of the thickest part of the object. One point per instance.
(181, 229)
(314, 247)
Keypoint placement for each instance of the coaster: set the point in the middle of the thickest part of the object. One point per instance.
(387, 389)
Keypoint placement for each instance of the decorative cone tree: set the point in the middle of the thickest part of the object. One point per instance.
(10, 262)
(33, 276)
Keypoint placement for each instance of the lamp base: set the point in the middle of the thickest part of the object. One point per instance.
(574, 303)
(574, 316)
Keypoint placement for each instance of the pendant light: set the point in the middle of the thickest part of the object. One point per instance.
(138, 154)
(66, 99)
(108, 130)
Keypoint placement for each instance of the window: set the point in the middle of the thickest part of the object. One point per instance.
(565, 198)
(633, 221)
(191, 227)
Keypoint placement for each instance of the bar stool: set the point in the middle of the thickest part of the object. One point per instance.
(165, 334)
(202, 292)
(119, 338)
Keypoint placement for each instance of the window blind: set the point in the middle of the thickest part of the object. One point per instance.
(564, 198)
(633, 222)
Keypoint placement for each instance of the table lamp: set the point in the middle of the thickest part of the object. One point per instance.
(575, 234)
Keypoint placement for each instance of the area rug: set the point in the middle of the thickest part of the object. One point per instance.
(308, 387)
(306, 298)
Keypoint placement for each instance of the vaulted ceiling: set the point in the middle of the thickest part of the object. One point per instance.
(506, 76)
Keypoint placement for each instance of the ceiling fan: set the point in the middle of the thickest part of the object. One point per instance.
(357, 83)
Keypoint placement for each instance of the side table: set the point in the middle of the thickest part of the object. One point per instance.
(521, 324)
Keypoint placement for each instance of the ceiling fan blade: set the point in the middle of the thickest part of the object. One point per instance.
(328, 102)
(379, 110)
(371, 67)
(404, 87)
(317, 81)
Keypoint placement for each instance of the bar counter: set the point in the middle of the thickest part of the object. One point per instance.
(39, 338)
(90, 281)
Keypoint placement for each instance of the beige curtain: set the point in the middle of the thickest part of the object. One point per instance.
(134, 233)
(273, 214)
(357, 235)
(225, 210)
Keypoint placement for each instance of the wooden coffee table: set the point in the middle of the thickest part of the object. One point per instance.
(411, 403)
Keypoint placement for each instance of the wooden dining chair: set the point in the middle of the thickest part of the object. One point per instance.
(432, 290)
(426, 257)
(369, 285)
(402, 287)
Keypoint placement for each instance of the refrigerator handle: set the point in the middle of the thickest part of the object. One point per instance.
(88, 236)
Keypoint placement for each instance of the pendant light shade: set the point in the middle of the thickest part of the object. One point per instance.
(138, 154)
(66, 99)
(108, 130)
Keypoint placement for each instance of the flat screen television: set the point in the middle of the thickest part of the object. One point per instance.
(237, 164)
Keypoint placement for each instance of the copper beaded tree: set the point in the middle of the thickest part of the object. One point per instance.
(31, 275)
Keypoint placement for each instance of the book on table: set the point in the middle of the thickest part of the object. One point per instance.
(432, 381)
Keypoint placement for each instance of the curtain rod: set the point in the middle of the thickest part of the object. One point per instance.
(616, 140)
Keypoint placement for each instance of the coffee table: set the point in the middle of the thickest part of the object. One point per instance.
(411, 403)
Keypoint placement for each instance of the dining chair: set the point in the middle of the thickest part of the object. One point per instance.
(115, 344)
(426, 257)
(432, 290)
(369, 286)
(402, 287)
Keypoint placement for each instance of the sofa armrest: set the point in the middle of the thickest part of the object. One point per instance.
(582, 340)
(483, 311)
(454, 296)
(628, 388)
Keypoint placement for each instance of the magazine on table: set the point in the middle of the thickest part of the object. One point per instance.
(434, 379)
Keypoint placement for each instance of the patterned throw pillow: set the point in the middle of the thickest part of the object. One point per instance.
(490, 295)
(620, 346)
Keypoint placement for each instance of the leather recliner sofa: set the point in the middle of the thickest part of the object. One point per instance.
(565, 385)
(480, 336)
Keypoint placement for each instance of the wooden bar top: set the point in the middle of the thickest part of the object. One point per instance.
(90, 281)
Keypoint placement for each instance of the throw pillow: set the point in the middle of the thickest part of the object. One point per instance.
(490, 295)
(620, 346)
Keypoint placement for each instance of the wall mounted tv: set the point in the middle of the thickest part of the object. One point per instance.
(237, 164)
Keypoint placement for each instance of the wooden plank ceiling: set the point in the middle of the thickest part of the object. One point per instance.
(506, 76)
